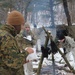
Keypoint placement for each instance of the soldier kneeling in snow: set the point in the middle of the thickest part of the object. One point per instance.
(68, 44)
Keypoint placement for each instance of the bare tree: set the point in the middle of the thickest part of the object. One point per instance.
(65, 5)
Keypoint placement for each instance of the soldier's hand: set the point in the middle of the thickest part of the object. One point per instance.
(26, 61)
(29, 50)
(45, 51)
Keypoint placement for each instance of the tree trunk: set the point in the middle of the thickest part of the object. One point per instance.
(70, 28)
(26, 10)
(65, 5)
(25, 14)
(52, 14)
(42, 58)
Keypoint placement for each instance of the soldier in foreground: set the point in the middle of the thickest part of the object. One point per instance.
(11, 57)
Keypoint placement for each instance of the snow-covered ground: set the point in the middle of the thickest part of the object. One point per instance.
(59, 61)
(47, 65)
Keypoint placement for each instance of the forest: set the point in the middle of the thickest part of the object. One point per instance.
(47, 13)
(41, 12)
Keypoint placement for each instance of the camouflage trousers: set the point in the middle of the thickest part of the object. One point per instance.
(9, 71)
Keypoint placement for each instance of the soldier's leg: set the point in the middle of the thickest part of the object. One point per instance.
(73, 52)
(68, 56)
(28, 68)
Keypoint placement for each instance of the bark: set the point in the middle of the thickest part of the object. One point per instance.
(71, 30)
(26, 10)
(65, 5)
(46, 42)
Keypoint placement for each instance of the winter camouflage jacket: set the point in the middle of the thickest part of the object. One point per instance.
(33, 36)
(11, 59)
(69, 44)
(22, 42)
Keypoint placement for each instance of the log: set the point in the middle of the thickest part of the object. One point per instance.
(42, 58)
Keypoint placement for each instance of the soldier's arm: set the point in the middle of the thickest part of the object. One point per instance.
(12, 57)
(70, 41)
(23, 43)
(34, 39)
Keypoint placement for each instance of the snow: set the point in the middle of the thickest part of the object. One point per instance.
(47, 62)
(47, 67)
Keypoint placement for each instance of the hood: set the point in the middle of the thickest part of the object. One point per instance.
(10, 29)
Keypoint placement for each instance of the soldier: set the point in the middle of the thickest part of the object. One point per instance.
(27, 34)
(11, 57)
(69, 46)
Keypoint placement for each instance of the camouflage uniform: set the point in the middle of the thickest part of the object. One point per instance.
(69, 45)
(27, 33)
(34, 38)
(22, 42)
(11, 59)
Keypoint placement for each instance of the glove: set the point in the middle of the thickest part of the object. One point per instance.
(54, 48)
(45, 51)
(64, 51)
